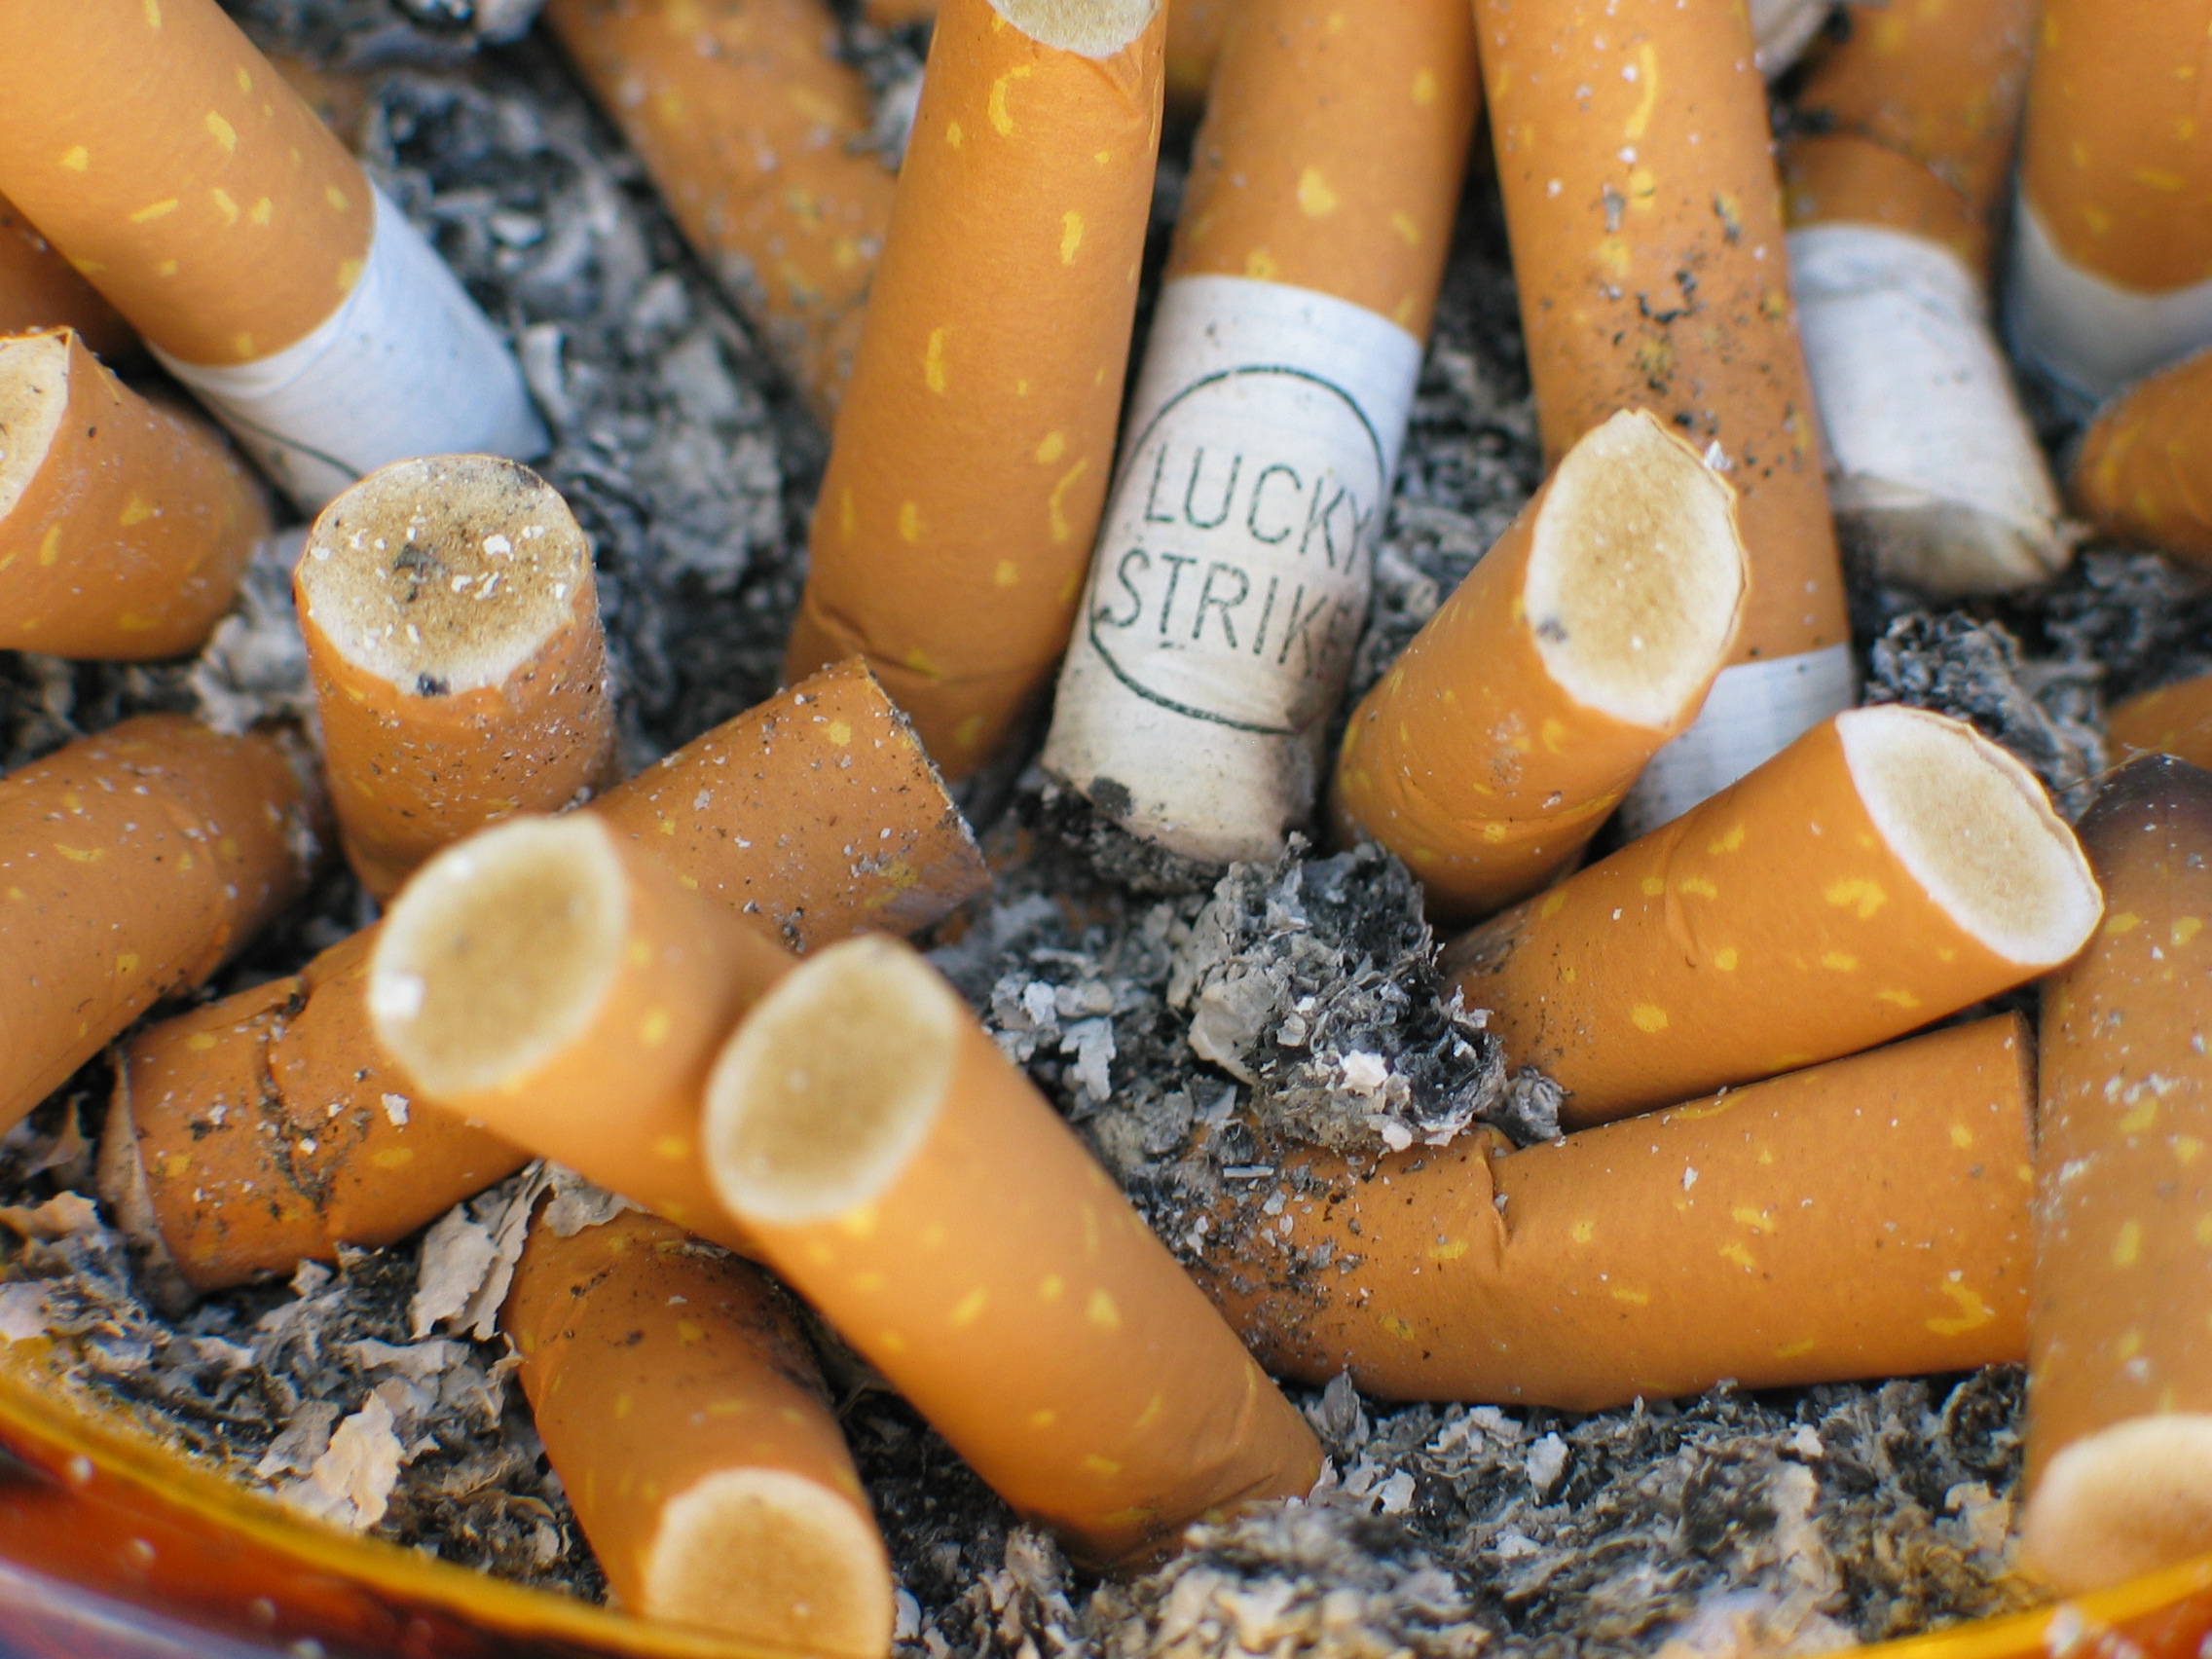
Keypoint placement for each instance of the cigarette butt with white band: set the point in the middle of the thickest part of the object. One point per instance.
(971, 450)
(2141, 471)
(189, 183)
(2174, 719)
(685, 1414)
(1523, 709)
(1864, 1218)
(38, 290)
(459, 670)
(1888, 869)
(1893, 193)
(958, 1234)
(2120, 1378)
(125, 524)
(1231, 579)
(2111, 275)
(132, 865)
(1645, 220)
(757, 136)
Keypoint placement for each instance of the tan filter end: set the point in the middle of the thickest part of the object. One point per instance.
(1094, 29)
(2131, 1499)
(1974, 827)
(34, 393)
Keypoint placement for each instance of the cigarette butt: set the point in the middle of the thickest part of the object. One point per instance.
(547, 980)
(187, 181)
(757, 136)
(684, 1413)
(971, 450)
(2111, 252)
(1936, 473)
(459, 671)
(132, 865)
(2140, 476)
(1864, 1218)
(2120, 1392)
(1232, 575)
(38, 289)
(1195, 30)
(1890, 867)
(1584, 640)
(958, 1234)
(124, 525)
(1645, 219)
(2174, 719)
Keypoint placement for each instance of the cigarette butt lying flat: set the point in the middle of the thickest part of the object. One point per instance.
(2143, 465)
(125, 524)
(459, 670)
(757, 135)
(1888, 869)
(1231, 579)
(1893, 193)
(1864, 1218)
(2174, 719)
(1583, 641)
(971, 450)
(38, 290)
(1645, 219)
(684, 1413)
(2120, 1390)
(2110, 273)
(902, 1174)
(181, 175)
(132, 865)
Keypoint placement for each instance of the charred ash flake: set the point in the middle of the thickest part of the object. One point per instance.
(1191, 1022)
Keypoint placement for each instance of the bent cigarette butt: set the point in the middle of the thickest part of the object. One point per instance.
(1888, 869)
(959, 1235)
(38, 290)
(182, 177)
(459, 670)
(547, 980)
(2141, 472)
(124, 525)
(971, 450)
(1584, 640)
(1864, 1218)
(2174, 719)
(1232, 575)
(2120, 1389)
(1633, 149)
(131, 866)
(757, 136)
(684, 1413)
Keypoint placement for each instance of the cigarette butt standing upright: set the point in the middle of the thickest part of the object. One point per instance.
(2142, 470)
(900, 1173)
(1645, 219)
(1232, 575)
(124, 525)
(38, 290)
(183, 176)
(757, 136)
(2174, 719)
(2120, 1384)
(459, 671)
(2111, 275)
(132, 865)
(1936, 473)
(683, 1411)
(1584, 640)
(1864, 1218)
(1888, 869)
(970, 453)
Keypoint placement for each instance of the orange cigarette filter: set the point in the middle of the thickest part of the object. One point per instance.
(759, 137)
(459, 670)
(1584, 640)
(125, 524)
(1864, 1218)
(2120, 1385)
(1645, 219)
(2174, 719)
(904, 1176)
(40, 289)
(2145, 470)
(1888, 869)
(132, 865)
(972, 452)
(684, 1415)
